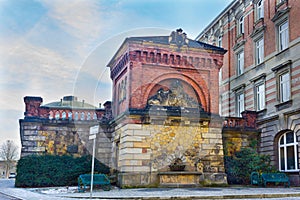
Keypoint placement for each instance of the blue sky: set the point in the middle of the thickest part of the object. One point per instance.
(53, 48)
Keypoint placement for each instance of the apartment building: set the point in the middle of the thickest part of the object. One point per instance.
(261, 72)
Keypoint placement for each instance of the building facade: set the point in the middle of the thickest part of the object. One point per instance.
(261, 73)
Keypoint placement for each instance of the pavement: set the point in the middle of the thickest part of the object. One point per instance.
(237, 192)
(9, 192)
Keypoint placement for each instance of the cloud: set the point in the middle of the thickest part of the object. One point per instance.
(77, 17)
(8, 130)
(34, 70)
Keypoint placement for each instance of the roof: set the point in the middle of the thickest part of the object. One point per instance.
(177, 37)
(165, 40)
(69, 102)
(216, 19)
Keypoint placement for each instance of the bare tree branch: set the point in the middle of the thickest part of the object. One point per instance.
(9, 154)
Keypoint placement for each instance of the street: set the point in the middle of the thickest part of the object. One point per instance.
(6, 183)
(6, 197)
(9, 192)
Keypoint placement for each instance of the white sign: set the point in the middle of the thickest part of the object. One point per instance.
(94, 129)
(93, 136)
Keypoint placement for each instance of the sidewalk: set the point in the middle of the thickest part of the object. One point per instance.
(189, 193)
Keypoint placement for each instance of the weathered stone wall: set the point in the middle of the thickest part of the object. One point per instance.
(56, 137)
(234, 139)
(147, 149)
(52, 138)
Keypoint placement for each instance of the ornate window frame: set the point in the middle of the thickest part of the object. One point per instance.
(259, 81)
(280, 18)
(280, 70)
(240, 62)
(241, 25)
(259, 9)
(259, 50)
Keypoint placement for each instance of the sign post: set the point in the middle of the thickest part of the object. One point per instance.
(93, 131)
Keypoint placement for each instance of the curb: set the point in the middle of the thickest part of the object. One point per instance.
(246, 196)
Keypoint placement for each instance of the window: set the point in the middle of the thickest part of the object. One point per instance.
(119, 92)
(220, 105)
(220, 76)
(125, 87)
(220, 41)
(284, 87)
(259, 51)
(283, 36)
(260, 97)
(287, 147)
(240, 63)
(240, 104)
(241, 25)
(260, 10)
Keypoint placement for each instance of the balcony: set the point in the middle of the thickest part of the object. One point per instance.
(247, 121)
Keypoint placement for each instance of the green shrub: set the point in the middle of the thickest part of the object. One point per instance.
(49, 170)
(242, 163)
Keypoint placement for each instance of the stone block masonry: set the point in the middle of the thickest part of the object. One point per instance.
(153, 153)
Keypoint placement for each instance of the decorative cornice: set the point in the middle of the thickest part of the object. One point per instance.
(239, 44)
(119, 66)
(282, 65)
(257, 31)
(242, 86)
(261, 76)
(280, 13)
(268, 119)
(292, 112)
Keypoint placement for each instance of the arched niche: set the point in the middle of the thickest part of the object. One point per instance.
(190, 88)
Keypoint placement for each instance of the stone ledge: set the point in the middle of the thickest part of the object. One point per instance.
(179, 172)
(179, 179)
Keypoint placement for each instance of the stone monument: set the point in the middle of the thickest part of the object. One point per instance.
(167, 131)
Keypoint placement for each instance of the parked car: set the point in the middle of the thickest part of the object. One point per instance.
(12, 175)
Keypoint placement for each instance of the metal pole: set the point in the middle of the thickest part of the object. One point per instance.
(93, 163)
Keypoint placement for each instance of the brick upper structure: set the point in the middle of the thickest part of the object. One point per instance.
(143, 65)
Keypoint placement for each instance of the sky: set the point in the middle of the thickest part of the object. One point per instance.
(55, 48)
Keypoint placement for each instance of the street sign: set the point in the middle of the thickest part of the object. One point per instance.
(91, 137)
(94, 129)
